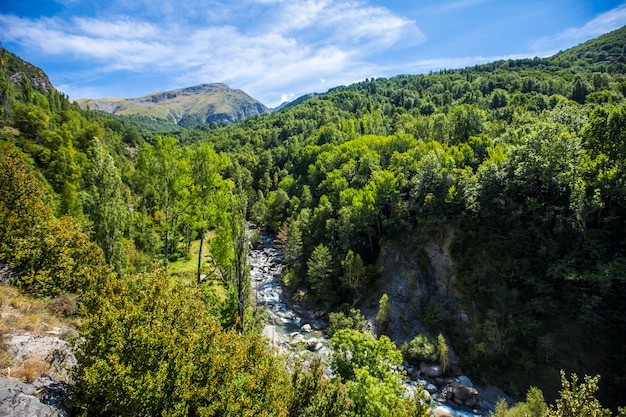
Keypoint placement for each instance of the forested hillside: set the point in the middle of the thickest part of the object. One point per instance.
(519, 163)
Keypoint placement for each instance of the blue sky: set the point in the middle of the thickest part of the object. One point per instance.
(277, 50)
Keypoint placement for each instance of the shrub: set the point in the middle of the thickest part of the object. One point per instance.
(353, 319)
(152, 348)
(421, 348)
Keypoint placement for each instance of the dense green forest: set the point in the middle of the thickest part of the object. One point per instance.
(520, 161)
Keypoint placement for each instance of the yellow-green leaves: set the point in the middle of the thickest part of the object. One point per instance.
(153, 349)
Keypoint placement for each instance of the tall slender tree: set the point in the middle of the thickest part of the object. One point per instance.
(104, 204)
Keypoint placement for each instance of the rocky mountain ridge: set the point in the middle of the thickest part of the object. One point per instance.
(186, 107)
(18, 69)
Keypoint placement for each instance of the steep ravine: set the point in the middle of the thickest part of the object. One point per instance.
(298, 332)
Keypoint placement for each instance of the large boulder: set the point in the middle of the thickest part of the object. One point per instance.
(314, 345)
(441, 411)
(430, 370)
(44, 398)
(464, 380)
(462, 394)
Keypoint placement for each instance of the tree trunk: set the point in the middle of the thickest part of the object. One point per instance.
(200, 253)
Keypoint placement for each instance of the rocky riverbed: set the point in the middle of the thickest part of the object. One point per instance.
(298, 332)
(288, 329)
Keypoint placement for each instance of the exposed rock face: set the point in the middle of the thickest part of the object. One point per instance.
(43, 398)
(18, 69)
(402, 281)
(441, 266)
(46, 361)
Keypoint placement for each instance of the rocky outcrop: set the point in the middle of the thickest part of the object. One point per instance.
(53, 356)
(441, 266)
(43, 363)
(430, 370)
(17, 69)
(42, 398)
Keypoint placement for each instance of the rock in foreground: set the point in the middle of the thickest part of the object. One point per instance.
(43, 398)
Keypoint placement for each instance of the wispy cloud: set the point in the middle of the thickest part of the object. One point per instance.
(603, 23)
(286, 42)
(449, 6)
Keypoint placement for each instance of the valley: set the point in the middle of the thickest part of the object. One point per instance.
(471, 219)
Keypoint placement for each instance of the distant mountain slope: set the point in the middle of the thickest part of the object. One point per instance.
(186, 107)
(295, 102)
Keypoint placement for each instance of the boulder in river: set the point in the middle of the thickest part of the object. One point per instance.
(314, 345)
(464, 380)
(430, 370)
(462, 394)
(306, 328)
(441, 412)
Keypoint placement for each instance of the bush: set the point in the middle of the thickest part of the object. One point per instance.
(353, 319)
(53, 255)
(153, 348)
(421, 349)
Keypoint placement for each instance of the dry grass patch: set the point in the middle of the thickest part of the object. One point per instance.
(20, 313)
(30, 370)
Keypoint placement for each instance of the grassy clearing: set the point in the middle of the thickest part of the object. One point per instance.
(188, 267)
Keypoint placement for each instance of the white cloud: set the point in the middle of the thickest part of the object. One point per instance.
(283, 45)
(124, 27)
(445, 7)
(603, 23)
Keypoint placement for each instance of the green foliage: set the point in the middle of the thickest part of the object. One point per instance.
(421, 348)
(384, 314)
(375, 398)
(104, 204)
(354, 274)
(317, 396)
(575, 399)
(366, 365)
(320, 270)
(53, 255)
(60, 258)
(578, 399)
(352, 319)
(151, 348)
(443, 352)
(353, 349)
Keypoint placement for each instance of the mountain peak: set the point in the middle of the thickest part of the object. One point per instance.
(186, 107)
